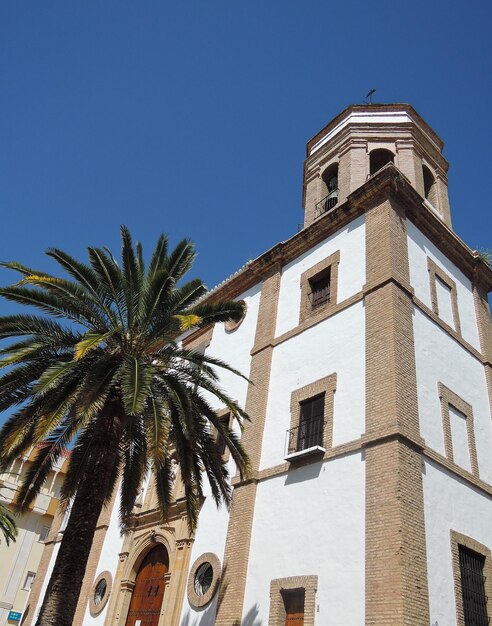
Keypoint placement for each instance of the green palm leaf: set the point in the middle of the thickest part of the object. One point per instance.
(99, 368)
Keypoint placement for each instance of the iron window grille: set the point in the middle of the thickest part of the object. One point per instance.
(473, 587)
(326, 204)
(310, 431)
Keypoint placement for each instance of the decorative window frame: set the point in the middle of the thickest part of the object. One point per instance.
(330, 263)
(436, 272)
(196, 601)
(96, 610)
(447, 398)
(277, 608)
(457, 539)
(326, 386)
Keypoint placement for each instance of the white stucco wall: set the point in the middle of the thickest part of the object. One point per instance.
(210, 537)
(419, 249)
(441, 359)
(335, 345)
(309, 522)
(449, 504)
(234, 348)
(108, 560)
(351, 271)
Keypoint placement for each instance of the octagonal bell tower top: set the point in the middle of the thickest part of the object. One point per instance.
(363, 139)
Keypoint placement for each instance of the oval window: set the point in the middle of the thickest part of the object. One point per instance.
(100, 591)
(203, 578)
(231, 324)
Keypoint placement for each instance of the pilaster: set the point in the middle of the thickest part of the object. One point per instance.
(235, 567)
(396, 569)
(482, 312)
(93, 562)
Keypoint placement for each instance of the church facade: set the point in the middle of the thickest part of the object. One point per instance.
(367, 342)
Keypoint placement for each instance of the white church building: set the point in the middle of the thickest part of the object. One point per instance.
(367, 341)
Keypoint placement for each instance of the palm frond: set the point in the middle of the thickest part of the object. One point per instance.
(7, 525)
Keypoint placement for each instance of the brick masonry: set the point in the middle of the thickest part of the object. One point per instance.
(396, 570)
(231, 592)
(277, 609)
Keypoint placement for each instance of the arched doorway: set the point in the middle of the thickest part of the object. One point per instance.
(146, 602)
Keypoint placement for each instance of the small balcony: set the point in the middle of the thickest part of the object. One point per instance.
(325, 205)
(305, 440)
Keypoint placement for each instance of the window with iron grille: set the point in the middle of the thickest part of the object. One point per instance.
(320, 289)
(473, 587)
(311, 422)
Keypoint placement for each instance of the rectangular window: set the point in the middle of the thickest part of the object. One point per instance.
(224, 416)
(294, 607)
(459, 438)
(311, 421)
(221, 443)
(458, 429)
(45, 531)
(473, 587)
(320, 289)
(444, 301)
(444, 296)
(29, 581)
(293, 601)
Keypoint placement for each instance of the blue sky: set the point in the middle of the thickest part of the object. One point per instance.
(191, 118)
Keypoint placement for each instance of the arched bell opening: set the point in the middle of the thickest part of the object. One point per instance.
(378, 159)
(430, 187)
(329, 190)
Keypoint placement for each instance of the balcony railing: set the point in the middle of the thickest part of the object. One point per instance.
(325, 205)
(308, 436)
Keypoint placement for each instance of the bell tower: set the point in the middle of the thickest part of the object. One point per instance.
(365, 138)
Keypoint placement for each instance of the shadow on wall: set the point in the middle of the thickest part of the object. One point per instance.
(207, 617)
(250, 619)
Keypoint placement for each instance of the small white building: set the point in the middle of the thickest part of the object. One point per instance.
(367, 340)
(19, 561)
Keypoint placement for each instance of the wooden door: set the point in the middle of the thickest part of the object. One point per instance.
(294, 608)
(146, 602)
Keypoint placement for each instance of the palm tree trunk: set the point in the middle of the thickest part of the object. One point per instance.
(62, 595)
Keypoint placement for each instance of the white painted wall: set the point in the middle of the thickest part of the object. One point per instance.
(449, 505)
(444, 303)
(419, 248)
(210, 537)
(335, 345)
(441, 359)
(351, 271)
(234, 348)
(459, 438)
(108, 560)
(310, 522)
(364, 117)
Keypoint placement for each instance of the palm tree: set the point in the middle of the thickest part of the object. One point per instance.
(103, 372)
(7, 525)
